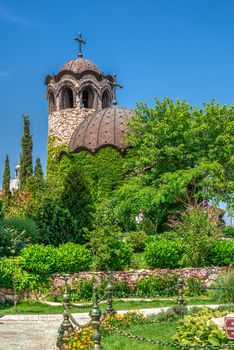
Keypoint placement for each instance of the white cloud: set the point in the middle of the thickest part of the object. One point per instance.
(5, 14)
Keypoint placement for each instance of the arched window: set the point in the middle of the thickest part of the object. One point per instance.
(52, 104)
(105, 100)
(66, 99)
(87, 97)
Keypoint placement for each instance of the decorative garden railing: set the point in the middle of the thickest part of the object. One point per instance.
(69, 323)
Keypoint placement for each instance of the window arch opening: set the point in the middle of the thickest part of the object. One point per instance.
(105, 100)
(87, 98)
(67, 100)
(52, 104)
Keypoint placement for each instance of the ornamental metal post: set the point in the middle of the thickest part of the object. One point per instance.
(180, 286)
(66, 327)
(96, 315)
(110, 310)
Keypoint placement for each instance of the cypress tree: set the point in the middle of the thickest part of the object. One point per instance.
(38, 172)
(26, 167)
(6, 177)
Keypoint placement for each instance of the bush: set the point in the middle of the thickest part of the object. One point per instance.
(12, 274)
(15, 234)
(223, 290)
(56, 225)
(40, 259)
(197, 231)
(164, 253)
(198, 329)
(137, 240)
(45, 260)
(221, 253)
(163, 284)
(228, 231)
(73, 258)
(109, 253)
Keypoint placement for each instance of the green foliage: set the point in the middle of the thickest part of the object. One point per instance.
(221, 253)
(73, 258)
(12, 275)
(199, 329)
(6, 177)
(38, 172)
(109, 253)
(137, 240)
(228, 231)
(15, 234)
(45, 260)
(223, 290)
(76, 198)
(161, 284)
(56, 225)
(26, 167)
(194, 287)
(39, 259)
(197, 231)
(179, 153)
(164, 253)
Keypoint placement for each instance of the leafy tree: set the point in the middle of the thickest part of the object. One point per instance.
(6, 177)
(179, 153)
(56, 225)
(26, 167)
(38, 172)
(76, 197)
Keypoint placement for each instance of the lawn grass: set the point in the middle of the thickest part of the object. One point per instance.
(35, 307)
(157, 331)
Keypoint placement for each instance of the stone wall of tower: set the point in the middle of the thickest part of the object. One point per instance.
(63, 123)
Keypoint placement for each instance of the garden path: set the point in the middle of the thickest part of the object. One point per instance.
(39, 332)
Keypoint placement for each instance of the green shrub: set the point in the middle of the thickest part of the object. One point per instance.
(163, 284)
(12, 274)
(109, 253)
(194, 287)
(223, 290)
(197, 231)
(228, 231)
(56, 225)
(137, 240)
(40, 259)
(221, 253)
(15, 234)
(73, 258)
(198, 329)
(164, 253)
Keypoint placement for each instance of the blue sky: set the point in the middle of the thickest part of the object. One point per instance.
(177, 48)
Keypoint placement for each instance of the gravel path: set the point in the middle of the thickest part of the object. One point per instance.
(39, 332)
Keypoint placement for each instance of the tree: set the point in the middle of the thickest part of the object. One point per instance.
(6, 177)
(76, 197)
(178, 154)
(26, 167)
(38, 172)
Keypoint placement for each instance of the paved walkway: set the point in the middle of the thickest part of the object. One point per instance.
(39, 332)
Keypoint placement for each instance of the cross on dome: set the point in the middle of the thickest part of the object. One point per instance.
(115, 85)
(81, 41)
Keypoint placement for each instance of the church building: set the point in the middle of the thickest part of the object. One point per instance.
(82, 106)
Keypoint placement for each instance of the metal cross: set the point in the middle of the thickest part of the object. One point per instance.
(115, 85)
(81, 41)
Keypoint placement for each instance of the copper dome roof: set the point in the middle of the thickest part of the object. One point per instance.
(103, 128)
(80, 65)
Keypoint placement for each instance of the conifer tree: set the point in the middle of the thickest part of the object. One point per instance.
(38, 172)
(26, 167)
(6, 177)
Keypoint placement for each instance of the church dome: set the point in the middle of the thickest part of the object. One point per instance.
(106, 127)
(80, 65)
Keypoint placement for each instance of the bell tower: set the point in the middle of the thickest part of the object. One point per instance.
(74, 93)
